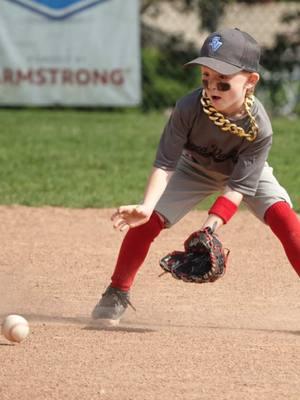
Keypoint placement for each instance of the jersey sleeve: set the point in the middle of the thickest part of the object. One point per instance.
(173, 138)
(247, 171)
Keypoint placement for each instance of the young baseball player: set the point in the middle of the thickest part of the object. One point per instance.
(216, 140)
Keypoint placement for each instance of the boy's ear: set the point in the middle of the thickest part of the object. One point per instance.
(252, 80)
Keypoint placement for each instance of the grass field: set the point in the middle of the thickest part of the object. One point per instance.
(101, 159)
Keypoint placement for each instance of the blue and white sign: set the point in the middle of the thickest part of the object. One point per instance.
(57, 9)
(70, 52)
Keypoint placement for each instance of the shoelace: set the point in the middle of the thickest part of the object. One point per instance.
(123, 299)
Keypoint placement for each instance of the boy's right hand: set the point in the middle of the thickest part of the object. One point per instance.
(130, 216)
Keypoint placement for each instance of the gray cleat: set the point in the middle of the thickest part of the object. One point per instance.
(111, 306)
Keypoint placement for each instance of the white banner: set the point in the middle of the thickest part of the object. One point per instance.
(70, 52)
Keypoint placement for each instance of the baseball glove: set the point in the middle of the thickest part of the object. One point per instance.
(204, 259)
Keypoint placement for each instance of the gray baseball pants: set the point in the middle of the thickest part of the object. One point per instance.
(191, 183)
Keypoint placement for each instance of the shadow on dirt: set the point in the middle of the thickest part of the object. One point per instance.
(126, 329)
(134, 327)
(80, 320)
(50, 318)
(220, 327)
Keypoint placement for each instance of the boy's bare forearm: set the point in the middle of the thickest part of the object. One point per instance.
(156, 185)
(233, 196)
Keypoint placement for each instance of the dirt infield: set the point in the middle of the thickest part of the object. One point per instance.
(236, 339)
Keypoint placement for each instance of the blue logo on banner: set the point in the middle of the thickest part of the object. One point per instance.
(57, 9)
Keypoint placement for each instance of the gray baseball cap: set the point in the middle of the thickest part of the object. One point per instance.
(229, 51)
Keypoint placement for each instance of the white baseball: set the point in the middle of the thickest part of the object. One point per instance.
(15, 328)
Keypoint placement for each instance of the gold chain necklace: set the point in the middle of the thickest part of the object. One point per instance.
(224, 124)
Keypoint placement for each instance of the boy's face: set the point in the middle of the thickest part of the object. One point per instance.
(227, 92)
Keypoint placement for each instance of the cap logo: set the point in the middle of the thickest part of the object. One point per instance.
(215, 43)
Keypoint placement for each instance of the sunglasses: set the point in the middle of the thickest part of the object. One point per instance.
(221, 86)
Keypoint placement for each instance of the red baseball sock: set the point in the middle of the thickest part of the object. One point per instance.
(285, 224)
(134, 250)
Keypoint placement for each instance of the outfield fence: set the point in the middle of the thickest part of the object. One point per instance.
(172, 34)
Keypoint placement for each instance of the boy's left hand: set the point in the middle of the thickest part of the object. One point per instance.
(204, 259)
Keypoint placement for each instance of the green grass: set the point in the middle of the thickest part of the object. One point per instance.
(75, 158)
(100, 159)
(285, 156)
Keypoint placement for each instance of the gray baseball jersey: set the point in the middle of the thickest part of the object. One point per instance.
(206, 159)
